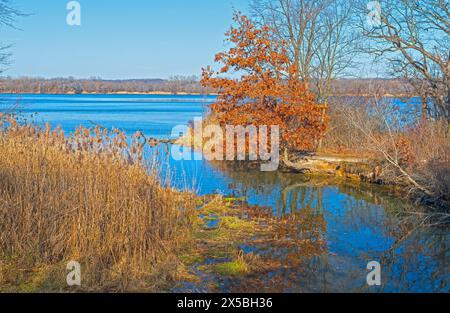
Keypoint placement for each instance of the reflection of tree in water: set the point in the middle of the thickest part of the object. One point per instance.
(297, 243)
(416, 262)
(293, 191)
(296, 248)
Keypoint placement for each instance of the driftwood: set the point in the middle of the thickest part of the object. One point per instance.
(320, 164)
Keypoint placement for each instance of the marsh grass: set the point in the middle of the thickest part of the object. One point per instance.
(85, 197)
(249, 242)
(238, 266)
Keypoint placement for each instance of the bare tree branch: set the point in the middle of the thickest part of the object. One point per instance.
(319, 36)
(414, 37)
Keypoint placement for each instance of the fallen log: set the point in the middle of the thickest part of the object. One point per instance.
(320, 164)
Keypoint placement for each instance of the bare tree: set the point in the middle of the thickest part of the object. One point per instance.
(381, 125)
(318, 34)
(406, 152)
(7, 18)
(413, 36)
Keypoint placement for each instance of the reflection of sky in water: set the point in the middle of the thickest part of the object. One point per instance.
(361, 224)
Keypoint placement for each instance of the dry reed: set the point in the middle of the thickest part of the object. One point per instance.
(85, 197)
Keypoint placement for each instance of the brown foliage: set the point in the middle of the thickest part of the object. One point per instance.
(267, 92)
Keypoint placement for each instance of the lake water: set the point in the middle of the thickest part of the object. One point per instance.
(359, 223)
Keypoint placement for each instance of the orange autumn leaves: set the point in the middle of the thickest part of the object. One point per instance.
(266, 89)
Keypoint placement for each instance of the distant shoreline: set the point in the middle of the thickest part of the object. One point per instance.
(180, 86)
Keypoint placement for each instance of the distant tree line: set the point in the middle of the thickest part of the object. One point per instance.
(176, 84)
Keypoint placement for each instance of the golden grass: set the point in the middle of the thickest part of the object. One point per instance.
(85, 197)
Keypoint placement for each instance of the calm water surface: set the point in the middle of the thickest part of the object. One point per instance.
(358, 223)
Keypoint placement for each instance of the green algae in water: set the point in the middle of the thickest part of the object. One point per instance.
(233, 268)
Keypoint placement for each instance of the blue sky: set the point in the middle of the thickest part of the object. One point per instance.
(118, 39)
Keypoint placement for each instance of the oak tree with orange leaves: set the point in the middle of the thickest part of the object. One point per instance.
(258, 86)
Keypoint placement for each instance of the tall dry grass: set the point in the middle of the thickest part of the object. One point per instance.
(410, 151)
(85, 197)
